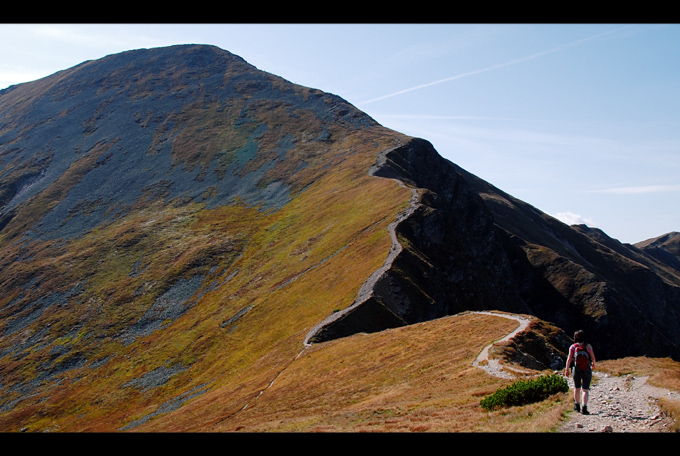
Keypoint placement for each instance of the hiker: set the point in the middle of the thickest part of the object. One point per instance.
(582, 359)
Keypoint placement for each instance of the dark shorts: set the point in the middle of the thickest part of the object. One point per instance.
(582, 378)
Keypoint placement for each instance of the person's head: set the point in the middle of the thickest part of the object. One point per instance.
(580, 336)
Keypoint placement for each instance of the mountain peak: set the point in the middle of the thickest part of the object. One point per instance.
(159, 118)
(174, 222)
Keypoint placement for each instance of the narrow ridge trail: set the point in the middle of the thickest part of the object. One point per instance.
(616, 404)
(367, 288)
(492, 366)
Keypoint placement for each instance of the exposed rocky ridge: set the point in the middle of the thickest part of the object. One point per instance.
(470, 246)
(452, 259)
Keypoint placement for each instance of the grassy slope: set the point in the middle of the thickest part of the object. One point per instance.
(418, 378)
(282, 271)
(329, 239)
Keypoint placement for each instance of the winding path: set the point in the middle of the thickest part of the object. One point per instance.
(617, 404)
(492, 366)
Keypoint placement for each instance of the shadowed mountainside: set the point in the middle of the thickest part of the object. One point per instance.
(664, 248)
(174, 222)
(470, 246)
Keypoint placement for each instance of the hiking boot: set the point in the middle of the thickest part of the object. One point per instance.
(577, 407)
(585, 410)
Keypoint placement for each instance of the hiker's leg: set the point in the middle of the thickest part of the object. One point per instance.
(577, 385)
(586, 386)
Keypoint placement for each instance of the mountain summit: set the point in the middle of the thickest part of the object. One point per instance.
(176, 225)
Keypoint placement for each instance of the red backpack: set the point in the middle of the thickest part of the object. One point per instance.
(582, 357)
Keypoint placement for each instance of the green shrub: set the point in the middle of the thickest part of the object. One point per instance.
(526, 392)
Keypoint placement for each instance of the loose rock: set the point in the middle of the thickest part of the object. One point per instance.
(620, 404)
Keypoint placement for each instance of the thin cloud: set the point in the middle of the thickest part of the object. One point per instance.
(438, 117)
(494, 67)
(632, 190)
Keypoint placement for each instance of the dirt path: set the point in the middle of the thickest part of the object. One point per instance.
(616, 404)
(621, 404)
(492, 366)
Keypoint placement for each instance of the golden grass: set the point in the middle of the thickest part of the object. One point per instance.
(291, 268)
(418, 378)
(672, 410)
(662, 372)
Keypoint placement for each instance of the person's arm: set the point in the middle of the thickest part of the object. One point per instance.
(592, 357)
(567, 368)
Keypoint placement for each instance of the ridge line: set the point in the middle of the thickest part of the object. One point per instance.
(367, 288)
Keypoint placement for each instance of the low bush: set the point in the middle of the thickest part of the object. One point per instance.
(526, 392)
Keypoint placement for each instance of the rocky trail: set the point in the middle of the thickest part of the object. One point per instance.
(616, 404)
(621, 404)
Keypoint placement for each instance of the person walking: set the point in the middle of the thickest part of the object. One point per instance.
(582, 360)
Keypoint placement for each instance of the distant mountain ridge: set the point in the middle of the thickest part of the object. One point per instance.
(665, 248)
(174, 222)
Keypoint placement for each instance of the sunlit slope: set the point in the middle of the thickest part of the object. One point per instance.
(258, 283)
(417, 378)
(173, 223)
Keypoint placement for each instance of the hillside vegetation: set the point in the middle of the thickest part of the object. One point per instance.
(175, 224)
(418, 378)
(278, 273)
(114, 307)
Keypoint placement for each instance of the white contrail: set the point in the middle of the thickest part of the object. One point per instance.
(494, 67)
(641, 189)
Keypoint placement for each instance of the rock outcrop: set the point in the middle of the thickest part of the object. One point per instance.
(470, 246)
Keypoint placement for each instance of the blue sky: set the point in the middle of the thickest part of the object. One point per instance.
(580, 120)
